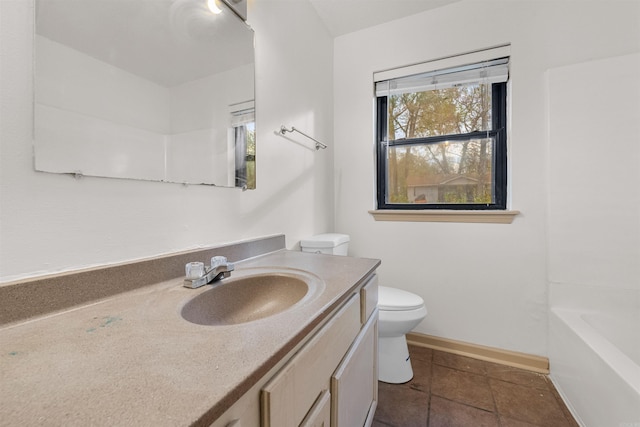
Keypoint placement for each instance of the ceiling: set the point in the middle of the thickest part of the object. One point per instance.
(346, 16)
(174, 41)
(168, 42)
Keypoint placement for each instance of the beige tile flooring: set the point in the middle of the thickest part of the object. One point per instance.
(457, 391)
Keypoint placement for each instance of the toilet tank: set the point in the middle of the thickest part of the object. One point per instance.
(330, 243)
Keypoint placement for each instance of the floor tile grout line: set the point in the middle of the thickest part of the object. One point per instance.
(464, 404)
(429, 387)
(495, 403)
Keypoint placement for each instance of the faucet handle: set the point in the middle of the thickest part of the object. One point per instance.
(194, 270)
(218, 260)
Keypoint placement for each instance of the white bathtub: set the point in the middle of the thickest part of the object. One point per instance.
(595, 365)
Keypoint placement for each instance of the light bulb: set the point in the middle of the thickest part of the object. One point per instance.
(213, 7)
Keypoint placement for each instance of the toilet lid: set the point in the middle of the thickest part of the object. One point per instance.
(394, 299)
(328, 240)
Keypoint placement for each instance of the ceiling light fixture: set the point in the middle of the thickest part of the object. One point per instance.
(213, 7)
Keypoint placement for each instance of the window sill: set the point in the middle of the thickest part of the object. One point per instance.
(495, 217)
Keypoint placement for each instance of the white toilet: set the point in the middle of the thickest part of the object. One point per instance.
(399, 312)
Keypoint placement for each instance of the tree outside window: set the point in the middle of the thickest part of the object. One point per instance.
(443, 148)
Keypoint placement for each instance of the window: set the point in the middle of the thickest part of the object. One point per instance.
(245, 156)
(441, 138)
(243, 145)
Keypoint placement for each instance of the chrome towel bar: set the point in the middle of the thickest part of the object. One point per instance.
(283, 130)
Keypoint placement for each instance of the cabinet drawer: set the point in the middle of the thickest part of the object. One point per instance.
(320, 414)
(354, 385)
(287, 397)
(369, 298)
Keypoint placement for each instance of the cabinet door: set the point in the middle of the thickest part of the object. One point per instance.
(288, 396)
(320, 414)
(354, 385)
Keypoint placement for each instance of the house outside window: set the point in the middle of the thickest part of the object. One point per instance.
(441, 138)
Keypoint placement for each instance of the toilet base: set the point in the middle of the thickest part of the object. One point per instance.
(394, 364)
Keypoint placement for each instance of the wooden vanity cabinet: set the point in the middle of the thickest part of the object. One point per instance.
(336, 368)
(330, 381)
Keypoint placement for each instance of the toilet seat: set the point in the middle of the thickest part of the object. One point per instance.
(393, 299)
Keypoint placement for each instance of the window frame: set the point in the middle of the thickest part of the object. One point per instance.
(499, 155)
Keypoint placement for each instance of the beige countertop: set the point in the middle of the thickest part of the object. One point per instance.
(131, 359)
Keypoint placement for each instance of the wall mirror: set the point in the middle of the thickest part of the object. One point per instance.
(156, 90)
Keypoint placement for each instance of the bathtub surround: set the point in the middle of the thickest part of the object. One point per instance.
(594, 238)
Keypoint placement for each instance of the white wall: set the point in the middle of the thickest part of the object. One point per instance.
(51, 222)
(482, 283)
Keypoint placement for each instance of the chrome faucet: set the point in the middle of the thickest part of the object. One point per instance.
(219, 269)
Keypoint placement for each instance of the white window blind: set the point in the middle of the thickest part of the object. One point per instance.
(242, 113)
(492, 71)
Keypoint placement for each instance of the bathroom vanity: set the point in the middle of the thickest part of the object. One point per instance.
(132, 359)
(330, 379)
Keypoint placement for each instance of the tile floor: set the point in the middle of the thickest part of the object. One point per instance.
(457, 391)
